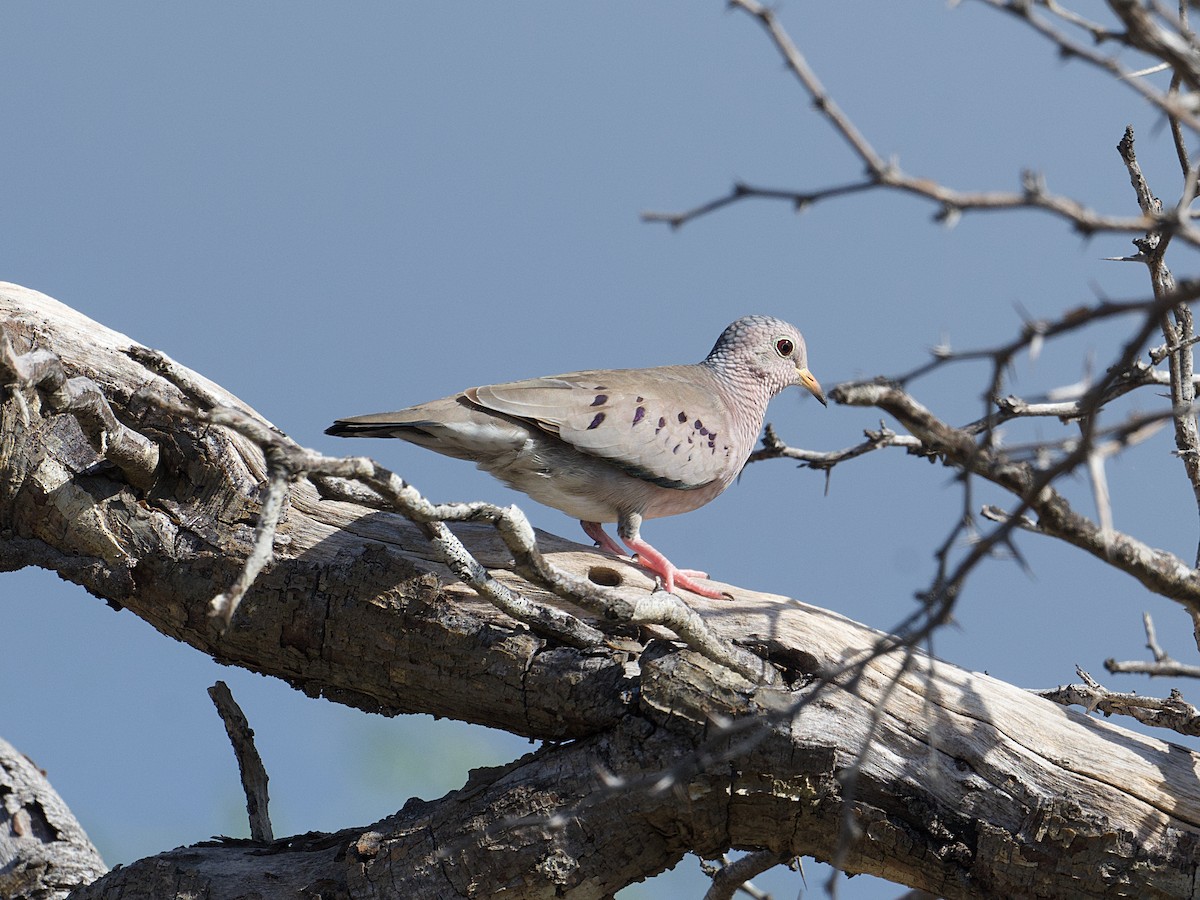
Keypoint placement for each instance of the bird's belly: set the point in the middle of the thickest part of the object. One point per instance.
(594, 492)
(569, 496)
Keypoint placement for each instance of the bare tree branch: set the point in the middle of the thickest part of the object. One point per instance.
(1163, 664)
(1158, 570)
(1171, 103)
(734, 877)
(886, 174)
(1172, 713)
(1177, 328)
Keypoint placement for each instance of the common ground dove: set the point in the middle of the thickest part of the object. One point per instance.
(617, 445)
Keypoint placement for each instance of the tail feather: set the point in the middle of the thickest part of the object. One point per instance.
(453, 427)
(355, 428)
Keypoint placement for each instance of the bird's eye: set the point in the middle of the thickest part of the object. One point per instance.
(784, 347)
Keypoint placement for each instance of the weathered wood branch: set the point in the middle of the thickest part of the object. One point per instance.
(44, 852)
(972, 787)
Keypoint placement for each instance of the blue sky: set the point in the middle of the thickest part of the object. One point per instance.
(333, 210)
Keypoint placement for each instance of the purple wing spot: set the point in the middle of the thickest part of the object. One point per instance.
(662, 423)
(639, 414)
(600, 400)
(596, 421)
(675, 449)
(683, 417)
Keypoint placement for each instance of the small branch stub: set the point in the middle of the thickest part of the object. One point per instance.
(250, 764)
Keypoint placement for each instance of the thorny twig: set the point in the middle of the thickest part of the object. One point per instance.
(1177, 327)
(1163, 665)
(1173, 712)
(886, 174)
(773, 447)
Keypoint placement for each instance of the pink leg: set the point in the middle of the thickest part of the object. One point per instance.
(597, 533)
(649, 558)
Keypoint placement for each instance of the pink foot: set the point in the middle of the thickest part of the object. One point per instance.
(649, 558)
(596, 532)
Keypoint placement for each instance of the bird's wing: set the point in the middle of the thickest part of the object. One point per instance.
(669, 426)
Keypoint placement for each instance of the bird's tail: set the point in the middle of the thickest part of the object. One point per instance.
(451, 426)
(353, 428)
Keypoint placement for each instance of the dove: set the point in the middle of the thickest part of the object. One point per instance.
(617, 445)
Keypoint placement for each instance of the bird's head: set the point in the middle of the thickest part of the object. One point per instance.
(769, 350)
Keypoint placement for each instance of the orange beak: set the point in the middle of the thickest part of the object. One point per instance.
(807, 379)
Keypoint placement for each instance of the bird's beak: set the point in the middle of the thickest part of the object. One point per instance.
(806, 379)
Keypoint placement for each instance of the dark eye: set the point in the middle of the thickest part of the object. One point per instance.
(784, 347)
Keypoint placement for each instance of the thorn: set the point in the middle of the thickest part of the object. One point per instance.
(948, 215)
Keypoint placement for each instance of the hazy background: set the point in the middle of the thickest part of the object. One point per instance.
(333, 209)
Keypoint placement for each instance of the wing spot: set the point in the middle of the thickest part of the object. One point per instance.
(683, 417)
(675, 449)
(639, 414)
(596, 421)
(662, 423)
(600, 400)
